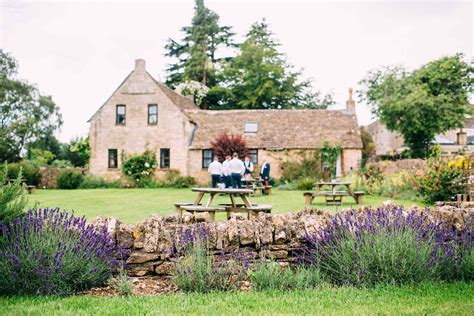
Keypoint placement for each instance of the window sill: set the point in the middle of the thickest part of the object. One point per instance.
(112, 169)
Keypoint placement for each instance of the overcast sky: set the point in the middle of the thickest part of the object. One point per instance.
(80, 51)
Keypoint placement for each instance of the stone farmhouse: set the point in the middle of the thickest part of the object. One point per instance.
(144, 114)
(388, 143)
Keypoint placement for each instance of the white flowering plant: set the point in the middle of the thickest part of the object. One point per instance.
(194, 88)
(138, 167)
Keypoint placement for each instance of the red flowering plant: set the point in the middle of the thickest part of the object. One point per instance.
(225, 145)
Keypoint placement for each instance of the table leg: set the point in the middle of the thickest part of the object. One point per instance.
(246, 200)
(198, 198)
(209, 200)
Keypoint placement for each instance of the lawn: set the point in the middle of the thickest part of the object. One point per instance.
(423, 299)
(134, 205)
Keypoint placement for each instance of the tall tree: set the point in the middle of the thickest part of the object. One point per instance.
(197, 54)
(25, 114)
(422, 103)
(259, 77)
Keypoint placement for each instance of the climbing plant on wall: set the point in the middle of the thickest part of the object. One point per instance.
(329, 155)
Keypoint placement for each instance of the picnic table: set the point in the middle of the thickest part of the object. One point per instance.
(334, 196)
(257, 184)
(245, 207)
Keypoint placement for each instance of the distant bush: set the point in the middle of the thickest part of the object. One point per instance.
(13, 196)
(30, 172)
(308, 167)
(69, 180)
(386, 246)
(305, 184)
(441, 180)
(52, 252)
(61, 163)
(93, 182)
(268, 275)
(173, 179)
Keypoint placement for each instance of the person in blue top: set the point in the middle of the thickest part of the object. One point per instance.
(265, 172)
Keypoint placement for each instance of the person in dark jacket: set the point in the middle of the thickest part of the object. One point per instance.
(265, 172)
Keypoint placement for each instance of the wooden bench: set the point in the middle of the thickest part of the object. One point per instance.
(359, 197)
(209, 209)
(252, 210)
(179, 211)
(31, 189)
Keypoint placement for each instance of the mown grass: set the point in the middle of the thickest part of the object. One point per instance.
(423, 299)
(134, 205)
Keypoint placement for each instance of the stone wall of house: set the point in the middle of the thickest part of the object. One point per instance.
(350, 161)
(155, 243)
(136, 136)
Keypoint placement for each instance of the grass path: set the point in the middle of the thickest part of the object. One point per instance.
(425, 299)
(134, 205)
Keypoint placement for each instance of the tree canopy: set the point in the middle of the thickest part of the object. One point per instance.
(259, 77)
(25, 114)
(197, 54)
(422, 103)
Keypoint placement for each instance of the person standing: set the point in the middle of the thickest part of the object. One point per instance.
(248, 168)
(265, 172)
(215, 170)
(236, 169)
(225, 171)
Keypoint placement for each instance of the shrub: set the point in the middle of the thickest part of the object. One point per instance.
(268, 275)
(196, 272)
(30, 173)
(175, 180)
(140, 167)
(93, 182)
(121, 283)
(225, 145)
(13, 196)
(388, 247)
(61, 163)
(440, 181)
(69, 180)
(308, 167)
(305, 184)
(52, 252)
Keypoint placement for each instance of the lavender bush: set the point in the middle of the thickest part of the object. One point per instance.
(389, 246)
(198, 271)
(52, 252)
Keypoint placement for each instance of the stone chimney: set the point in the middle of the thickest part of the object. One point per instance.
(140, 66)
(350, 103)
(461, 138)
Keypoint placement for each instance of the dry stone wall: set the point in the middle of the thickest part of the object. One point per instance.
(154, 244)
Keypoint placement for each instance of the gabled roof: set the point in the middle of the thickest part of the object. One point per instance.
(180, 101)
(285, 129)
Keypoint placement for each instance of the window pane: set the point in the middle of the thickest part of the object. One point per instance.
(164, 158)
(120, 114)
(152, 114)
(112, 158)
(207, 157)
(152, 108)
(253, 155)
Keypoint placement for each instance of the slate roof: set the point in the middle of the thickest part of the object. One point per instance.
(278, 129)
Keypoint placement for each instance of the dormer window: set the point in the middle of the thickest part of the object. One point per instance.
(251, 127)
(120, 114)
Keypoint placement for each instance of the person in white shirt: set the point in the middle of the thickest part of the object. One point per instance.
(226, 173)
(236, 170)
(248, 168)
(215, 170)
